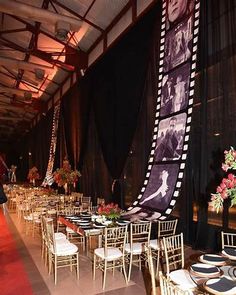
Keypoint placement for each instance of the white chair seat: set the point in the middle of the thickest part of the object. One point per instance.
(28, 218)
(182, 278)
(154, 244)
(63, 249)
(138, 248)
(112, 253)
(60, 236)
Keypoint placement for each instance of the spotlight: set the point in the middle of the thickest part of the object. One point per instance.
(27, 95)
(61, 30)
(39, 74)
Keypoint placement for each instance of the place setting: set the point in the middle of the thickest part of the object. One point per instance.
(205, 270)
(230, 253)
(213, 259)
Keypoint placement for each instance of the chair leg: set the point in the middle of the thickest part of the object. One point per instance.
(130, 266)
(55, 269)
(152, 273)
(49, 262)
(158, 262)
(94, 266)
(77, 265)
(124, 270)
(104, 275)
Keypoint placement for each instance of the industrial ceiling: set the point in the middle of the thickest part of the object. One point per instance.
(46, 44)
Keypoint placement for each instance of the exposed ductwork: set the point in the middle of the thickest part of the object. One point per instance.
(23, 93)
(38, 14)
(23, 65)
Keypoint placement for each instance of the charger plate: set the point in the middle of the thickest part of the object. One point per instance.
(221, 286)
(230, 253)
(205, 270)
(213, 259)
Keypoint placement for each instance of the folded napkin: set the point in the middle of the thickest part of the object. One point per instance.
(223, 285)
(207, 270)
(230, 251)
(213, 258)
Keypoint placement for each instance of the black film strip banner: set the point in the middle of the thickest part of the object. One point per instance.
(177, 68)
(48, 180)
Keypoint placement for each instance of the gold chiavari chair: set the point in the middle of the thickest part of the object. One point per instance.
(137, 248)
(165, 228)
(228, 243)
(174, 256)
(60, 254)
(112, 254)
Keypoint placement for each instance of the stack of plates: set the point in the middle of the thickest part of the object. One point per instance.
(98, 225)
(122, 222)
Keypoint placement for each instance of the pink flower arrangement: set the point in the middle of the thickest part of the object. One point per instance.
(227, 188)
(111, 210)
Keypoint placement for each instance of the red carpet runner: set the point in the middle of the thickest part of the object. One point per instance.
(13, 277)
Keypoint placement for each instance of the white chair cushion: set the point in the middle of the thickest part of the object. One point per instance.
(138, 248)
(182, 278)
(60, 236)
(63, 249)
(154, 244)
(112, 253)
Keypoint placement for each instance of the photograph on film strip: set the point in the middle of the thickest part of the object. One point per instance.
(178, 45)
(174, 93)
(160, 187)
(177, 10)
(170, 138)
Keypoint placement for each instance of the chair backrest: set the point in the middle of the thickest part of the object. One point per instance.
(50, 235)
(78, 196)
(114, 237)
(86, 199)
(174, 252)
(168, 288)
(140, 233)
(166, 228)
(100, 201)
(228, 240)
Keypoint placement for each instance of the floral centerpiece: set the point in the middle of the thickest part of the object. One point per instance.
(65, 175)
(227, 188)
(110, 211)
(33, 174)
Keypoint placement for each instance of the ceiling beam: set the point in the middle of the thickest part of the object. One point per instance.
(38, 14)
(78, 15)
(23, 65)
(38, 53)
(20, 92)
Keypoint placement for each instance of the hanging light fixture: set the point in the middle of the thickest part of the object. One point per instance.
(62, 30)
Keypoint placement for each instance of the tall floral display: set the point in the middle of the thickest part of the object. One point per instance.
(33, 175)
(227, 188)
(65, 176)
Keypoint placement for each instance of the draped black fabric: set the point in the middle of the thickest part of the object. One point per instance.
(118, 82)
(40, 139)
(74, 122)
